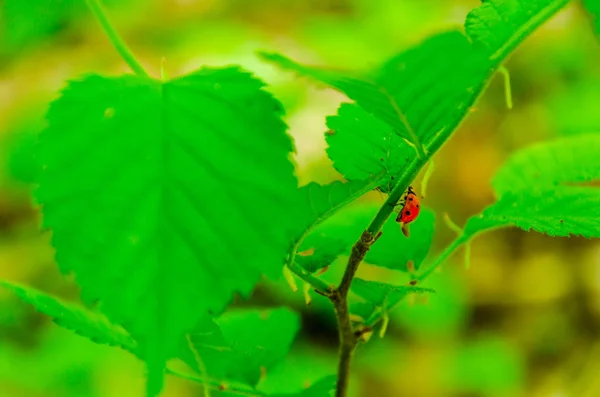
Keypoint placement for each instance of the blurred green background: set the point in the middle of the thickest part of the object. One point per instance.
(524, 320)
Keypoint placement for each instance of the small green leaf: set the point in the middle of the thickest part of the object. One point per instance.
(242, 342)
(316, 204)
(319, 251)
(319, 202)
(500, 25)
(153, 229)
(361, 145)
(382, 294)
(562, 211)
(83, 322)
(550, 164)
(393, 250)
(321, 388)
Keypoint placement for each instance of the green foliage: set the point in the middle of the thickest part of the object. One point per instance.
(550, 164)
(359, 155)
(406, 96)
(560, 212)
(83, 322)
(163, 213)
(321, 388)
(536, 190)
(380, 297)
(499, 26)
(317, 203)
(166, 198)
(321, 251)
(394, 250)
(240, 343)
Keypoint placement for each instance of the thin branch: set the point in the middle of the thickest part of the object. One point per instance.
(121, 47)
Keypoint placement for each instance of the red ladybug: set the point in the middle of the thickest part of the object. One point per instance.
(410, 210)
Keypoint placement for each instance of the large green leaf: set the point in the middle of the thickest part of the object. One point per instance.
(241, 344)
(549, 164)
(83, 322)
(562, 211)
(393, 250)
(165, 198)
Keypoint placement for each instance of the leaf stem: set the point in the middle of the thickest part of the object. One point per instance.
(216, 385)
(98, 11)
(319, 285)
(507, 89)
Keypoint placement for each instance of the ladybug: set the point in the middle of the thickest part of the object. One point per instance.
(410, 210)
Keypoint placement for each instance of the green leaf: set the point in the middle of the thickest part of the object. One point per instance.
(83, 322)
(500, 25)
(400, 94)
(380, 297)
(358, 154)
(334, 236)
(562, 211)
(593, 9)
(244, 341)
(153, 229)
(550, 164)
(316, 204)
(423, 93)
(393, 250)
(319, 251)
(319, 202)
(321, 388)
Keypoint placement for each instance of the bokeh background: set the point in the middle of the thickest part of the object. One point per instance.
(523, 320)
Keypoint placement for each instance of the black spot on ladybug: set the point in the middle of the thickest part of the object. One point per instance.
(407, 213)
(417, 205)
(410, 199)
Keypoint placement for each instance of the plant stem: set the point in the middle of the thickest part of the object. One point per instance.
(98, 11)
